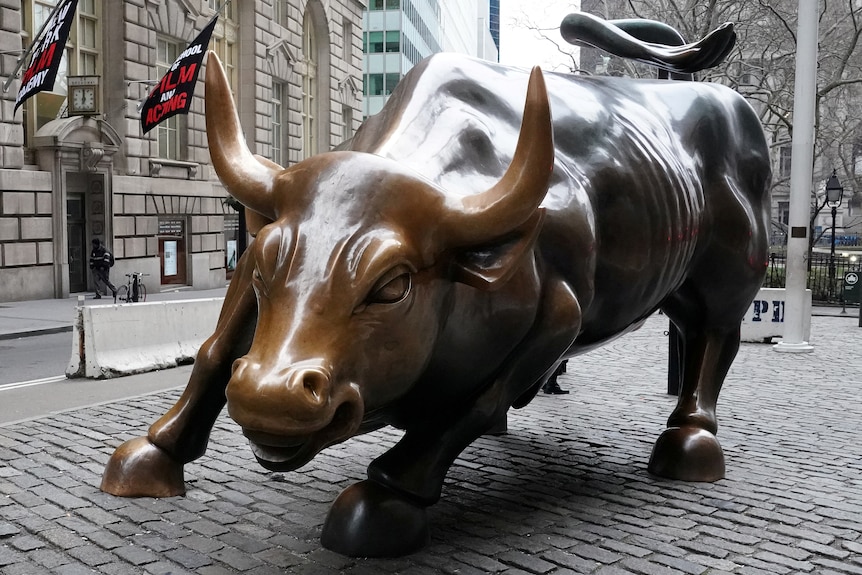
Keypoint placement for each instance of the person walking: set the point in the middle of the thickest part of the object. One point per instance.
(101, 261)
(551, 386)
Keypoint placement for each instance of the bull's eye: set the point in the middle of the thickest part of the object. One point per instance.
(389, 289)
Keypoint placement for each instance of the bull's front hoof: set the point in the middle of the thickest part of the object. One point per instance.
(687, 454)
(140, 469)
(370, 520)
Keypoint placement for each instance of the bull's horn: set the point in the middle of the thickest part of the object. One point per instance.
(491, 214)
(245, 178)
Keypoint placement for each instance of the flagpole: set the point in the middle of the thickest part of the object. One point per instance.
(23, 58)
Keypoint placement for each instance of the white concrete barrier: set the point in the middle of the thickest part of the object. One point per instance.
(121, 339)
(765, 317)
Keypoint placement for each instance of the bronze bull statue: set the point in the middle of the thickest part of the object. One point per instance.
(436, 269)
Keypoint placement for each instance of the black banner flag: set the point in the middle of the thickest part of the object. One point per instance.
(48, 51)
(173, 94)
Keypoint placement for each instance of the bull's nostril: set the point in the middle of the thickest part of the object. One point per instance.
(315, 384)
(311, 388)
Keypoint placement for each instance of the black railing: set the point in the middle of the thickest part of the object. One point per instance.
(825, 287)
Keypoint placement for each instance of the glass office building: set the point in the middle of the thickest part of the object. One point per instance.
(398, 34)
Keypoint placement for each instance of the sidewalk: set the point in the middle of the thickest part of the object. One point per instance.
(26, 318)
(565, 491)
(37, 317)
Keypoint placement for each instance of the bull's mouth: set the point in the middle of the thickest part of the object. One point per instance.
(278, 452)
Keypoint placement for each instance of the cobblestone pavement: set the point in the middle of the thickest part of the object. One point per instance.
(565, 491)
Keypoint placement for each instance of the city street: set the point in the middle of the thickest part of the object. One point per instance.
(36, 357)
(565, 491)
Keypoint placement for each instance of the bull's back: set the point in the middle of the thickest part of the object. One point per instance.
(640, 167)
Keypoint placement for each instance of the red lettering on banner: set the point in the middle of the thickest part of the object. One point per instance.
(44, 61)
(169, 83)
(187, 73)
(47, 57)
(155, 114)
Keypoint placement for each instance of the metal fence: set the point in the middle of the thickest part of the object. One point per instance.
(826, 284)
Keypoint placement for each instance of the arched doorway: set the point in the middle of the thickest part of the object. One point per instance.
(78, 152)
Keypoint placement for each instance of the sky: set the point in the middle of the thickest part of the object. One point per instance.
(522, 46)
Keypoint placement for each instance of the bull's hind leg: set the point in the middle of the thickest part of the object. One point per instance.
(688, 449)
(152, 465)
(385, 515)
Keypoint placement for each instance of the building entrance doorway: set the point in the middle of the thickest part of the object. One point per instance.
(76, 232)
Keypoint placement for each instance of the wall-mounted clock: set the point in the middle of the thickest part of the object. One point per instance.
(83, 97)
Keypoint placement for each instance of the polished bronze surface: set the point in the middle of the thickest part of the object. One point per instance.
(649, 42)
(434, 271)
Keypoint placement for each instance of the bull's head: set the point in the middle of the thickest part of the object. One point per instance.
(351, 264)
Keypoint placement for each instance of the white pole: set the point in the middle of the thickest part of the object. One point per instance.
(802, 157)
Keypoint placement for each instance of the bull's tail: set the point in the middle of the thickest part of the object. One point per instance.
(649, 42)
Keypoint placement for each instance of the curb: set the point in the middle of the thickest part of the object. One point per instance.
(35, 332)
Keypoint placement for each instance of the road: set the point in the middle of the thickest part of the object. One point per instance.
(37, 357)
(33, 384)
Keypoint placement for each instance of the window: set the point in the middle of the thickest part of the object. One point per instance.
(380, 84)
(784, 212)
(227, 11)
(224, 42)
(373, 85)
(280, 9)
(82, 56)
(347, 122)
(391, 81)
(309, 88)
(279, 92)
(784, 161)
(85, 37)
(168, 131)
(347, 39)
(384, 4)
(374, 42)
(392, 40)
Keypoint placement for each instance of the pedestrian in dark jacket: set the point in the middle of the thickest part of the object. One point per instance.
(551, 386)
(100, 263)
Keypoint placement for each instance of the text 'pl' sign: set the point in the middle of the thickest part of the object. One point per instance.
(765, 317)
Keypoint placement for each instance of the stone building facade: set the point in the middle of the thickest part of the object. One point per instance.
(295, 67)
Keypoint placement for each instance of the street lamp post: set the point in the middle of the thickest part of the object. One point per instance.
(834, 194)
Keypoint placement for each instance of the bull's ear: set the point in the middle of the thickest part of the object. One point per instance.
(254, 221)
(488, 267)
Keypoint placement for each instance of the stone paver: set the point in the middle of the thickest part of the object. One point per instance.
(565, 491)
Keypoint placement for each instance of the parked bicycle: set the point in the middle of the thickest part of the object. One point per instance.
(134, 290)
